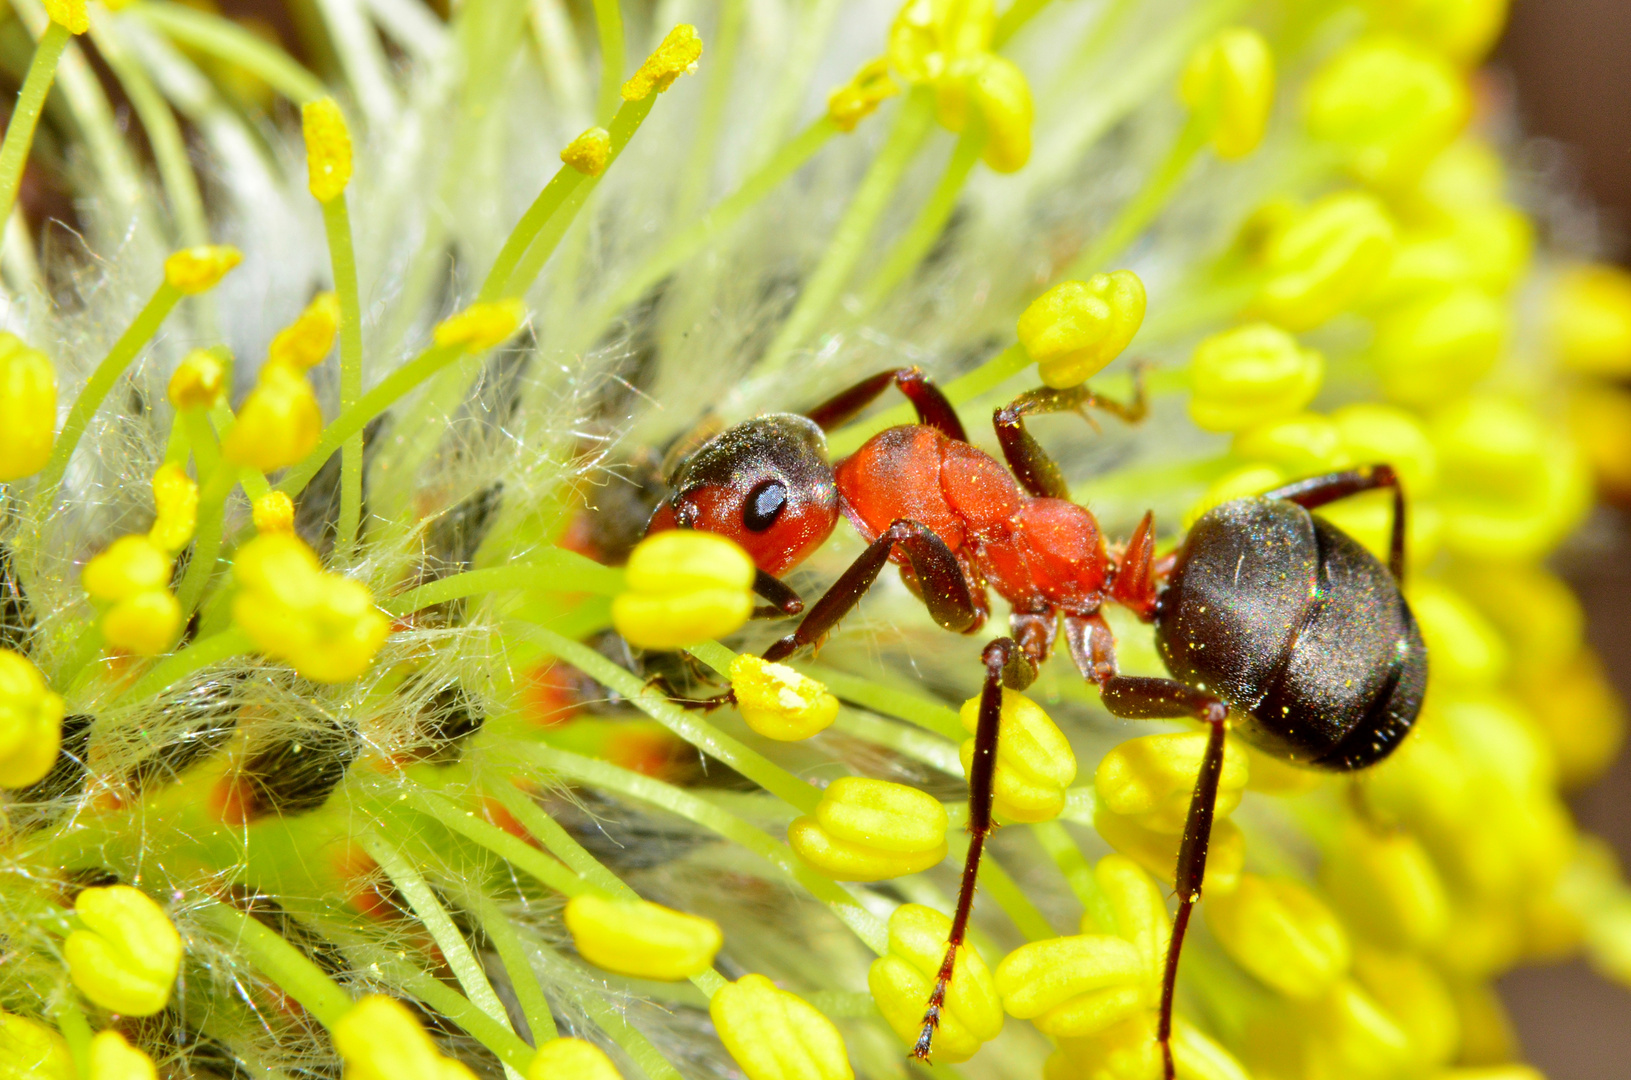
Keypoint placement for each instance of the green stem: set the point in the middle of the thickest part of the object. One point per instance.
(703, 157)
(1005, 891)
(337, 223)
(561, 187)
(622, 128)
(609, 25)
(1139, 211)
(548, 832)
(523, 980)
(1018, 14)
(516, 852)
(443, 999)
(76, 1031)
(85, 649)
(712, 223)
(646, 1057)
(227, 41)
(25, 116)
(382, 396)
(101, 383)
(1077, 873)
(688, 726)
(279, 961)
(983, 379)
(608, 777)
(212, 503)
(195, 657)
(917, 709)
(930, 222)
(912, 126)
(550, 570)
(455, 949)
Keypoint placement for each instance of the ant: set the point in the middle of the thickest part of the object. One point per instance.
(1272, 621)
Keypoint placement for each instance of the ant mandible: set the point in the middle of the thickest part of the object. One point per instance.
(1272, 622)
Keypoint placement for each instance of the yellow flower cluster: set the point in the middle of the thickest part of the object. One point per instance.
(127, 956)
(685, 587)
(28, 408)
(1034, 761)
(637, 937)
(280, 422)
(30, 722)
(870, 830)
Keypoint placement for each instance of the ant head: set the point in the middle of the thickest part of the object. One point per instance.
(765, 484)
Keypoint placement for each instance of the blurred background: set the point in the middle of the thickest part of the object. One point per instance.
(1568, 64)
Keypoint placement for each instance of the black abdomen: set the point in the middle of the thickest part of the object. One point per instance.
(1299, 628)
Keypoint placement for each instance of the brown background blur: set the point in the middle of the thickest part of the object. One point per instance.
(1570, 63)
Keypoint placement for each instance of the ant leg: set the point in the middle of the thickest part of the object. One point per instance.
(1316, 491)
(944, 586)
(783, 600)
(1137, 698)
(932, 407)
(1031, 464)
(1000, 657)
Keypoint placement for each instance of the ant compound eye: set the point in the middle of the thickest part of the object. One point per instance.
(764, 505)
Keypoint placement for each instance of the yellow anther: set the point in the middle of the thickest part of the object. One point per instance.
(305, 342)
(199, 269)
(273, 513)
(1077, 327)
(998, 90)
(1139, 909)
(1229, 82)
(1581, 716)
(639, 938)
(328, 149)
(1462, 30)
(1415, 995)
(1157, 852)
(28, 408)
(589, 152)
(1385, 886)
(31, 1051)
(200, 380)
(1249, 375)
(859, 98)
(775, 1035)
(571, 1059)
(130, 565)
(30, 722)
(902, 980)
(1325, 260)
(677, 55)
(1466, 649)
(869, 830)
(1300, 445)
(325, 625)
(114, 1059)
(1389, 105)
(1590, 317)
(1485, 247)
(1375, 433)
(146, 623)
(1509, 486)
(1433, 350)
(933, 39)
(1034, 760)
(175, 502)
(1354, 1035)
(378, 1039)
(279, 424)
(1151, 778)
(1128, 1051)
(684, 587)
(778, 702)
(126, 957)
(1280, 932)
(1073, 986)
(481, 326)
(69, 14)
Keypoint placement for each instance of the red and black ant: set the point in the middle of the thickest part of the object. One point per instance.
(1272, 621)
